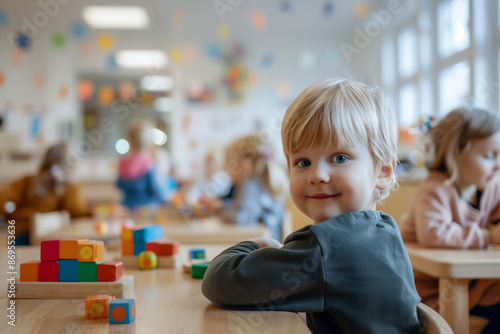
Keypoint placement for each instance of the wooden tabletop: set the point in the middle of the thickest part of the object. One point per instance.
(455, 263)
(207, 230)
(168, 301)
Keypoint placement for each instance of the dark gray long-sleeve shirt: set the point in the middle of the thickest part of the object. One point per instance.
(350, 273)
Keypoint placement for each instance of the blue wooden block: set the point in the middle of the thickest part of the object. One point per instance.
(197, 253)
(68, 270)
(122, 311)
(139, 247)
(148, 233)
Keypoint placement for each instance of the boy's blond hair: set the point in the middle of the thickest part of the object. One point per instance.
(453, 134)
(342, 112)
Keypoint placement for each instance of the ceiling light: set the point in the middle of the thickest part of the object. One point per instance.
(115, 17)
(141, 59)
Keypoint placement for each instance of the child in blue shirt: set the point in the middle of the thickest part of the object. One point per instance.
(349, 270)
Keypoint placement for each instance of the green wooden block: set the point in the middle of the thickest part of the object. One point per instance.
(198, 269)
(87, 271)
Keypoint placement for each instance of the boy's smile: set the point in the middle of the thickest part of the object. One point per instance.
(326, 182)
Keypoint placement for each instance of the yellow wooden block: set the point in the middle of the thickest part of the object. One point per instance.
(92, 251)
(128, 233)
(97, 307)
(68, 249)
(29, 271)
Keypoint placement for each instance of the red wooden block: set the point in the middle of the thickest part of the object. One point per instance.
(162, 248)
(49, 250)
(109, 271)
(48, 271)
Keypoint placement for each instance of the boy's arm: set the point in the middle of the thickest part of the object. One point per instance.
(248, 277)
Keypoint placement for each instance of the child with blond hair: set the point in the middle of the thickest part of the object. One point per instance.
(458, 204)
(349, 270)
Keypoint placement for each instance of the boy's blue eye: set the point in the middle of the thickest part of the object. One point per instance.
(303, 163)
(489, 155)
(340, 159)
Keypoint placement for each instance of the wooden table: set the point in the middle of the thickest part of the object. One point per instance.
(207, 230)
(455, 268)
(168, 301)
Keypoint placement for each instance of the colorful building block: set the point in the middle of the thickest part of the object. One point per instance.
(92, 251)
(87, 271)
(97, 307)
(68, 249)
(122, 311)
(198, 269)
(127, 247)
(28, 271)
(49, 250)
(148, 233)
(109, 271)
(139, 247)
(163, 248)
(147, 260)
(68, 270)
(197, 253)
(48, 271)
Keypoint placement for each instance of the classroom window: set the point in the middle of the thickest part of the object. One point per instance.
(408, 111)
(454, 87)
(453, 26)
(407, 52)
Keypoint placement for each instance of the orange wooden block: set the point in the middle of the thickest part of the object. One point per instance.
(29, 271)
(68, 249)
(127, 247)
(97, 307)
(92, 251)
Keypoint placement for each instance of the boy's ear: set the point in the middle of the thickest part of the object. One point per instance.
(384, 178)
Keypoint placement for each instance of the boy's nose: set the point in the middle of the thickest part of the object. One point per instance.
(319, 175)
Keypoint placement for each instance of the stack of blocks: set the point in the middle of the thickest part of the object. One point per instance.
(71, 261)
(134, 239)
(119, 311)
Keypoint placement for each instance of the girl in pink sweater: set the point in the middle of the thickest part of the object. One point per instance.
(458, 204)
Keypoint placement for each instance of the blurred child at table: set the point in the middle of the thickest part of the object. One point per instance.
(458, 204)
(138, 174)
(259, 184)
(349, 270)
(167, 182)
(51, 189)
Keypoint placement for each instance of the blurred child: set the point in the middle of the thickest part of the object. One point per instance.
(138, 176)
(456, 205)
(349, 270)
(259, 186)
(51, 189)
(167, 182)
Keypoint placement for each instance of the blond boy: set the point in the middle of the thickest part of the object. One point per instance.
(349, 270)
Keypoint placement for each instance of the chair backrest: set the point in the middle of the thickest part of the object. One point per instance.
(45, 223)
(431, 322)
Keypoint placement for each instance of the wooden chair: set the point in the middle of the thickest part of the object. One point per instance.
(45, 223)
(431, 322)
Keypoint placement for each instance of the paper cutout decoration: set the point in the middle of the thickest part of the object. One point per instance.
(307, 59)
(214, 52)
(176, 55)
(147, 98)
(267, 60)
(283, 89)
(2, 79)
(40, 80)
(63, 91)
(328, 8)
(78, 30)
(105, 42)
(86, 89)
(259, 20)
(126, 90)
(286, 6)
(361, 9)
(191, 53)
(223, 30)
(22, 41)
(3, 18)
(58, 40)
(106, 95)
(111, 62)
(16, 56)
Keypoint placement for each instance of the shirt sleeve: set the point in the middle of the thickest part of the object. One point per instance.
(435, 226)
(248, 277)
(12, 192)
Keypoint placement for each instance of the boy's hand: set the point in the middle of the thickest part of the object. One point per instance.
(267, 242)
(495, 235)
